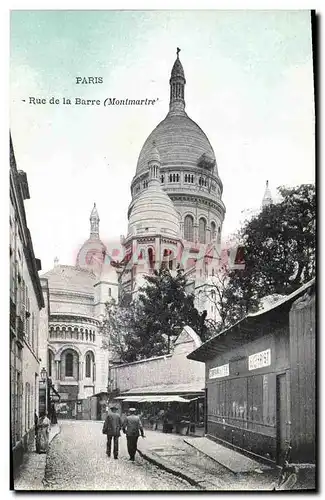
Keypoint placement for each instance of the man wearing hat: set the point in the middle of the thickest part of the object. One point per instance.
(132, 427)
(112, 427)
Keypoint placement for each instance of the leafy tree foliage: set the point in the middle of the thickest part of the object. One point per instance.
(280, 252)
(147, 326)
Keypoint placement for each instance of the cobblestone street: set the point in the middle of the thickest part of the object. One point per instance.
(77, 461)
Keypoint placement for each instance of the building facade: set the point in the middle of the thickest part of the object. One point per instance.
(183, 228)
(26, 302)
(77, 363)
(172, 381)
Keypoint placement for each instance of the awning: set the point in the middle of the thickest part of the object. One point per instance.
(153, 399)
(132, 399)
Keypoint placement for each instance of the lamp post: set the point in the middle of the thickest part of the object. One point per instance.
(44, 380)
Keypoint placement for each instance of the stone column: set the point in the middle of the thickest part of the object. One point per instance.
(57, 370)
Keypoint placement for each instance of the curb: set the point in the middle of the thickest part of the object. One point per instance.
(44, 482)
(211, 458)
(162, 464)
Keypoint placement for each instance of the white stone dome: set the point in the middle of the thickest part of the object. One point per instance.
(180, 141)
(153, 213)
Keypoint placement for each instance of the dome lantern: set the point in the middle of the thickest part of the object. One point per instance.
(267, 198)
(177, 86)
(94, 223)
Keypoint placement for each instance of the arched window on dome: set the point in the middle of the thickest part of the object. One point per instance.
(162, 179)
(213, 231)
(170, 178)
(192, 179)
(188, 228)
(151, 256)
(202, 230)
(185, 178)
(69, 364)
(90, 365)
(177, 177)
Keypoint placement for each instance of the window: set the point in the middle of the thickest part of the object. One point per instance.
(151, 256)
(202, 230)
(162, 178)
(109, 292)
(88, 366)
(188, 228)
(69, 365)
(50, 362)
(213, 231)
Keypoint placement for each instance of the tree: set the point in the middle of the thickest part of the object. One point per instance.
(280, 251)
(166, 307)
(145, 328)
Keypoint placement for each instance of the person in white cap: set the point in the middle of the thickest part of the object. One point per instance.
(112, 427)
(132, 427)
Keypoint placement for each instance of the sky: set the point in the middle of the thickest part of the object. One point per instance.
(249, 87)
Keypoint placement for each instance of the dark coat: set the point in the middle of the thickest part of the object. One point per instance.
(112, 424)
(132, 426)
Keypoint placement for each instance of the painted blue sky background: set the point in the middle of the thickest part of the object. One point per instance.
(249, 87)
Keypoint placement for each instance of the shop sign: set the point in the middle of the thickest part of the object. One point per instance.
(219, 371)
(259, 360)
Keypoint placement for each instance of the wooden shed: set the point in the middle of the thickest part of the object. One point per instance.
(303, 378)
(260, 380)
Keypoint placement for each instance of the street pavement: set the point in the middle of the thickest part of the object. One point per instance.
(77, 461)
(165, 462)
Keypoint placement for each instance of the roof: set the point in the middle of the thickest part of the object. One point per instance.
(249, 328)
(70, 278)
(193, 387)
(179, 140)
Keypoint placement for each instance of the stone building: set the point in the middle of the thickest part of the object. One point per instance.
(183, 228)
(77, 364)
(26, 302)
(172, 381)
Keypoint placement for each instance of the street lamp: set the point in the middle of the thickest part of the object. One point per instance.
(44, 379)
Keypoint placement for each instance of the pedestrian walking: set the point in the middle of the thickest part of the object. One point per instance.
(112, 429)
(132, 427)
(43, 431)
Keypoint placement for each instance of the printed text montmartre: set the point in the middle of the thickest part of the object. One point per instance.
(112, 101)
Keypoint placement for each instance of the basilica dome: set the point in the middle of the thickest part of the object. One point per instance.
(71, 279)
(180, 141)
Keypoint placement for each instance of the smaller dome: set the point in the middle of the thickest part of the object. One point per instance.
(154, 213)
(71, 278)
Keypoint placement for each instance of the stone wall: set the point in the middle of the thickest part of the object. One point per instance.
(171, 369)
